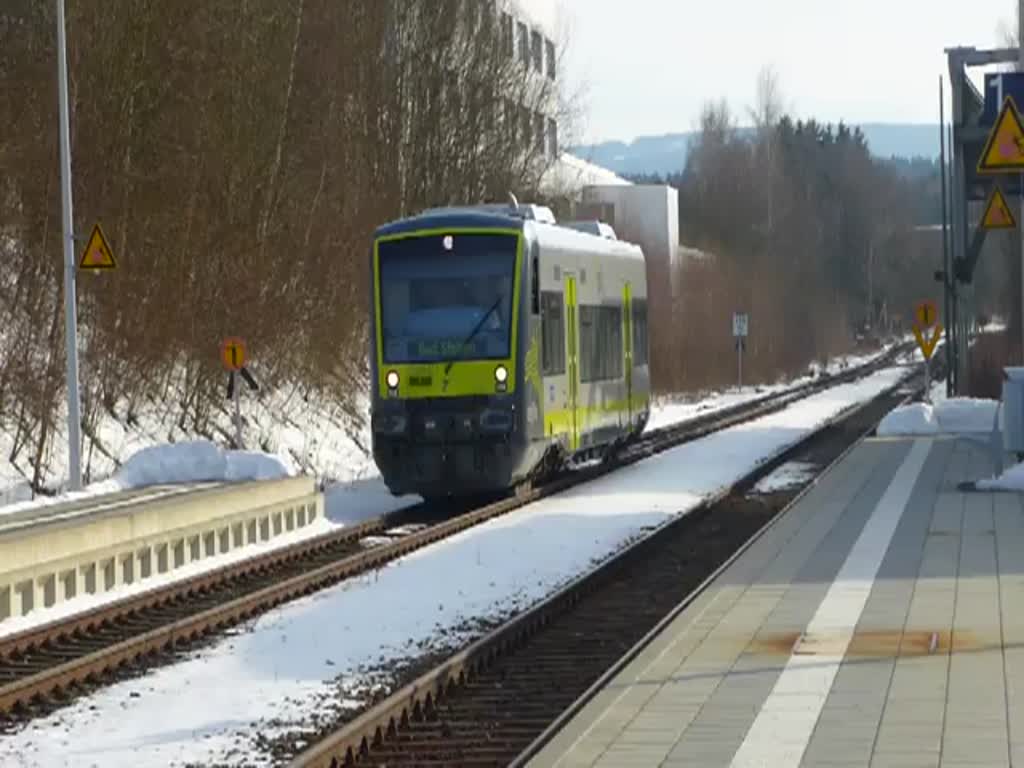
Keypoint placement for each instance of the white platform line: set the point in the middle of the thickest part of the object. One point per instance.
(783, 728)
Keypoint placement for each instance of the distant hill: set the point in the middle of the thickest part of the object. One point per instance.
(667, 153)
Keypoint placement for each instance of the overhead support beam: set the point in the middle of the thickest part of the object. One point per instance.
(970, 56)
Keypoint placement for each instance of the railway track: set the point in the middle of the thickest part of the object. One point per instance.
(46, 667)
(499, 700)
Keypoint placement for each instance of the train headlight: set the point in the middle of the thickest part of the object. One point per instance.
(501, 374)
(392, 379)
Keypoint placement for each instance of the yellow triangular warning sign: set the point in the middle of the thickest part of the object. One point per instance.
(97, 254)
(997, 213)
(1004, 149)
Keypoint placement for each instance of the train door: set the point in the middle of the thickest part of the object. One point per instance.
(627, 346)
(573, 360)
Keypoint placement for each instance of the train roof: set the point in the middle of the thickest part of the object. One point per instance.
(571, 236)
(575, 240)
(451, 219)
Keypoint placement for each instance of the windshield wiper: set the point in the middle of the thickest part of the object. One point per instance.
(472, 333)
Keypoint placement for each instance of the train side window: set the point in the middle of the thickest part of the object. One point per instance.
(640, 332)
(535, 284)
(552, 334)
(600, 343)
(613, 342)
(590, 353)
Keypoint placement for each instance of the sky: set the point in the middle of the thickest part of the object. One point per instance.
(646, 67)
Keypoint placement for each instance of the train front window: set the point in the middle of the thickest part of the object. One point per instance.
(434, 293)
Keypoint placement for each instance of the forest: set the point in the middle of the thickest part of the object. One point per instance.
(825, 245)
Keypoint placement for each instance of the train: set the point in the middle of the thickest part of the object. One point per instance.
(505, 347)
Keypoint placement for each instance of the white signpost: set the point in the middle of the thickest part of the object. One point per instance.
(740, 326)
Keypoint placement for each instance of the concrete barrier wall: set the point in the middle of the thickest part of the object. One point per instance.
(61, 551)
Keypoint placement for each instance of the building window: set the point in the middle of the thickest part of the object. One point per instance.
(538, 51)
(550, 46)
(508, 35)
(524, 44)
(600, 343)
(552, 137)
(639, 332)
(552, 334)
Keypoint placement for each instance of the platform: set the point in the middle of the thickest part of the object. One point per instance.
(878, 622)
(54, 552)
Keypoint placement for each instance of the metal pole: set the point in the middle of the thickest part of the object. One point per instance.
(238, 414)
(953, 340)
(1020, 226)
(739, 355)
(946, 266)
(70, 304)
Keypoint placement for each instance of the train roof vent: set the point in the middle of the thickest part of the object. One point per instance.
(539, 213)
(593, 227)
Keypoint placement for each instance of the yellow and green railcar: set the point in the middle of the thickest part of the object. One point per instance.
(504, 345)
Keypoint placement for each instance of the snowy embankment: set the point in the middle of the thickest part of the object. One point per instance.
(668, 411)
(305, 431)
(300, 664)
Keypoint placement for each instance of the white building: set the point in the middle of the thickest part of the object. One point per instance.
(529, 30)
(645, 214)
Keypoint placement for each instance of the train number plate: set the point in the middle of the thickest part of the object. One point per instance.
(420, 381)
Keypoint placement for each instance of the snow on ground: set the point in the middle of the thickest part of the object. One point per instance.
(306, 660)
(788, 475)
(668, 411)
(1012, 479)
(957, 415)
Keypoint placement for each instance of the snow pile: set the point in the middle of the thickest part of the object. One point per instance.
(198, 461)
(1011, 480)
(966, 414)
(955, 416)
(913, 419)
(190, 462)
(178, 463)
